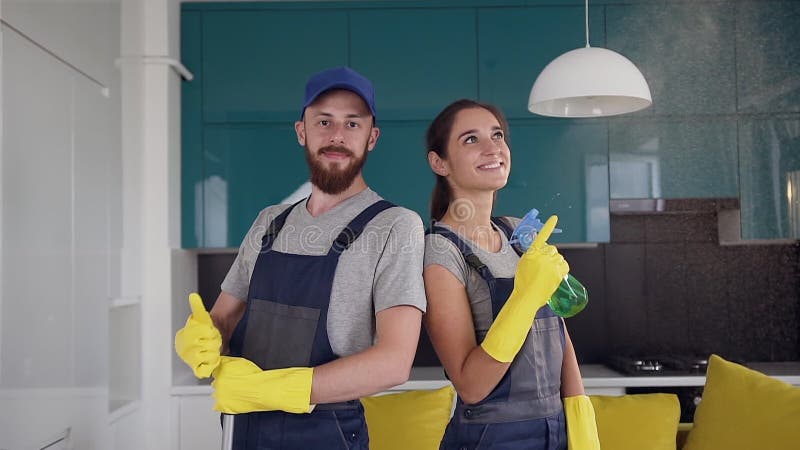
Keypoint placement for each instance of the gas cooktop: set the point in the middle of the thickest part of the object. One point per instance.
(659, 365)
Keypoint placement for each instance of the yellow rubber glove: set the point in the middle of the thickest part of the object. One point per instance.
(539, 272)
(581, 424)
(199, 342)
(240, 386)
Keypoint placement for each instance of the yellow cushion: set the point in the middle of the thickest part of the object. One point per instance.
(409, 420)
(744, 409)
(637, 421)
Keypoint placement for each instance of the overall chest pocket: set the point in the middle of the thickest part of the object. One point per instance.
(279, 335)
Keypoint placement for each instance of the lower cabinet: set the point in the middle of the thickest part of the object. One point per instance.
(199, 425)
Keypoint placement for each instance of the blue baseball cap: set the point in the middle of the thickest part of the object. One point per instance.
(339, 78)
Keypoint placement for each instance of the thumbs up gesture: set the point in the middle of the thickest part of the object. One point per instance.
(541, 268)
(199, 342)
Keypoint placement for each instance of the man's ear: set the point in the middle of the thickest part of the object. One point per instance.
(300, 129)
(373, 138)
(438, 165)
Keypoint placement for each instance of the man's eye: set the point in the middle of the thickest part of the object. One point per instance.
(352, 124)
(324, 123)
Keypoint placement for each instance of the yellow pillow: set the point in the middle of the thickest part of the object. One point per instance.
(409, 420)
(637, 421)
(744, 409)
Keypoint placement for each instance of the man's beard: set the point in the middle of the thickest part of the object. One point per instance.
(336, 180)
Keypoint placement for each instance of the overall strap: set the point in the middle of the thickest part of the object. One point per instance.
(275, 227)
(356, 226)
(505, 227)
(465, 250)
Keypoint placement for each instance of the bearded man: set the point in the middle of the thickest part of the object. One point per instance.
(324, 301)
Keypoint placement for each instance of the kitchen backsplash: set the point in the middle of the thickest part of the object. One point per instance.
(664, 285)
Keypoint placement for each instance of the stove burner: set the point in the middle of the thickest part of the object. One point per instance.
(663, 365)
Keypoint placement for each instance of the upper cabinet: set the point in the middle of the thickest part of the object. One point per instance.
(560, 167)
(418, 59)
(673, 157)
(768, 56)
(724, 79)
(515, 44)
(255, 63)
(770, 173)
(684, 145)
(239, 149)
(768, 42)
(398, 168)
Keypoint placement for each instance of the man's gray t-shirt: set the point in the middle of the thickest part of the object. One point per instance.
(503, 264)
(381, 269)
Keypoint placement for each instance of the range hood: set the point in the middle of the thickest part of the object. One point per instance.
(672, 205)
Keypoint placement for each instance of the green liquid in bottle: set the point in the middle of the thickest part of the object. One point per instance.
(570, 298)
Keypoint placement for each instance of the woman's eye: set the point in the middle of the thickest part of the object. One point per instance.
(470, 140)
(499, 135)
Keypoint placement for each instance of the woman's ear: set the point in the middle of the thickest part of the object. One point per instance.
(438, 165)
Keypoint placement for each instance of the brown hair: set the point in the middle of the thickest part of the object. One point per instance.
(436, 141)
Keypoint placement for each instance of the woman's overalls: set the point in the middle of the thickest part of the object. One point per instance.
(285, 325)
(524, 411)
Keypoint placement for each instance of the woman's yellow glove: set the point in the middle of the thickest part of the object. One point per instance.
(240, 386)
(539, 272)
(581, 424)
(199, 342)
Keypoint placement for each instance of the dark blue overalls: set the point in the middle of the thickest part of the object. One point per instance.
(285, 325)
(524, 411)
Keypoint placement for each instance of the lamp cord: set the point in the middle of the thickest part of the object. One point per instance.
(587, 22)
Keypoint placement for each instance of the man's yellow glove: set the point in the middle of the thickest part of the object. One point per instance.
(199, 342)
(539, 272)
(240, 386)
(581, 424)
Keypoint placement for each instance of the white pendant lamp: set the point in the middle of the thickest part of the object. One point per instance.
(589, 82)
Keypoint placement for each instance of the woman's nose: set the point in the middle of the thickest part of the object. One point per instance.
(491, 148)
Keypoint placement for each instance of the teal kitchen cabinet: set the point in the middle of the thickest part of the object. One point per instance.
(653, 157)
(684, 145)
(237, 137)
(768, 68)
(246, 168)
(768, 56)
(685, 52)
(191, 131)
(560, 167)
(419, 59)
(769, 153)
(255, 63)
(515, 44)
(397, 168)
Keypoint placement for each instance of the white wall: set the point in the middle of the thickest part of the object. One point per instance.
(61, 218)
(90, 262)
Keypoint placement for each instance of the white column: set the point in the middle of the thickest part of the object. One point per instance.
(151, 149)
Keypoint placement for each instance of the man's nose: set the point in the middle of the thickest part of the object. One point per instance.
(337, 134)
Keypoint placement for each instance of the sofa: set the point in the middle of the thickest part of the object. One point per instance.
(741, 410)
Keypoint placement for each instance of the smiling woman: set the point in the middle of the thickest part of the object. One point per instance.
(507, 353)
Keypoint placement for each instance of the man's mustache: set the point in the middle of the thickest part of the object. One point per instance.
(336, 149)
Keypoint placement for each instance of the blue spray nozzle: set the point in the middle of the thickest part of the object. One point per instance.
(527, 229)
